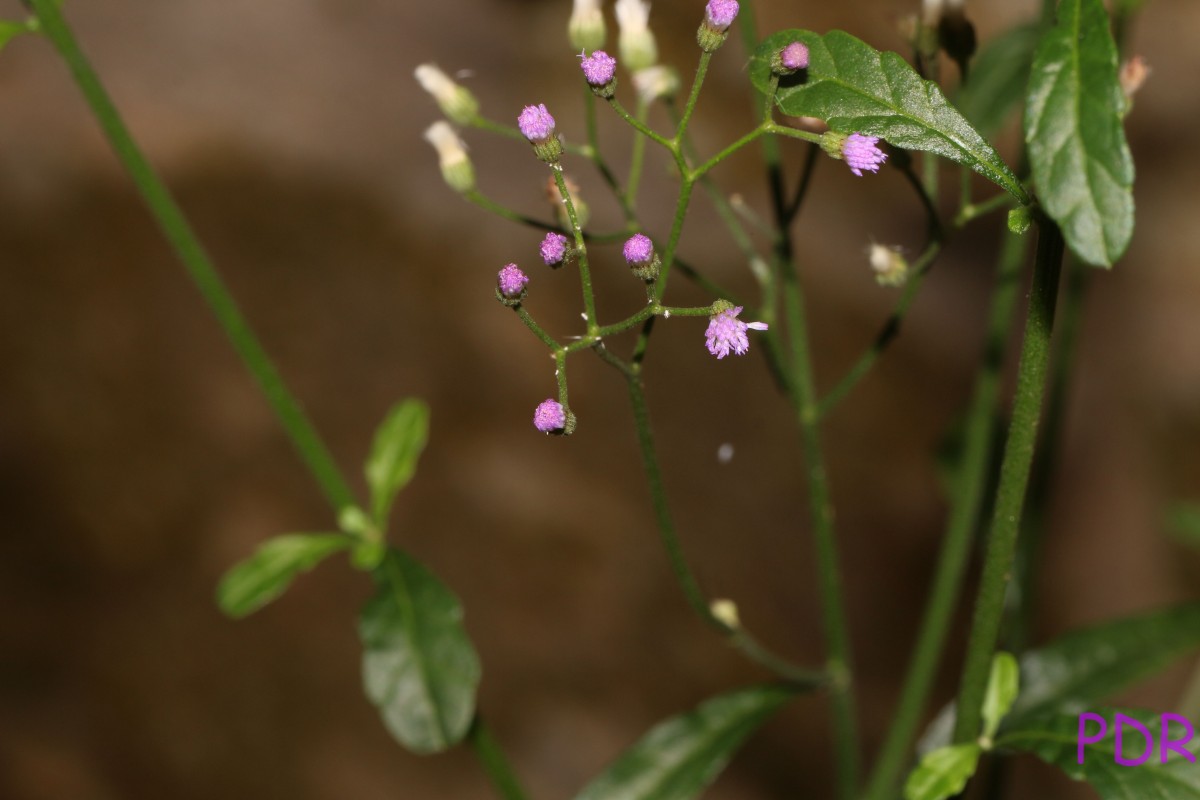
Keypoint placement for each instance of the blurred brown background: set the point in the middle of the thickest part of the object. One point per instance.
(138, 461)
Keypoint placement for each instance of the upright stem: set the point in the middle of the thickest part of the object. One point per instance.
(1014, 478)
(966, 501)
(179, 234)
(494, 762)
(585, 275)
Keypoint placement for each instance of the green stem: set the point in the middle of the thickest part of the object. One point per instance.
(636, 161)
(585, 275)
(1014, 477)
(494, 762)
(965, 504)
(183, 241)
(693, 96)
(538, 331)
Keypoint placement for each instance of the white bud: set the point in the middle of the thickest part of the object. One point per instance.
(586, 28)
(659, 82)
(891, 268)
(726, 612)
(456, 166)
(635, 43)
(456, 102)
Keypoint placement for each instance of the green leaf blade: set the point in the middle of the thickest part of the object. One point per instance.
(393, 461)
(419, 666)
(1077, 149)
(264, 576)
(942, 773)
(679, 757)
(856, 88)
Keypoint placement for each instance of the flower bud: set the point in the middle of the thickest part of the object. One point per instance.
(457, 169)
(858, 150)
(790, 59)
(456, 102)
(718, 16)
(510, 285)
(556, 250)
(600, 72)
(586, 28)
(552, 416)
(725, 612)
(891, 268)
(635, 43)
(659, 82)
(641, 258)
(537, 126)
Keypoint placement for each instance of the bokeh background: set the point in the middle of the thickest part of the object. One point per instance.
(138, 461)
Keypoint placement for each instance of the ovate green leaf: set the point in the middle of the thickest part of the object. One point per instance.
(419, 666)
(393, 460)
(1077, 149)
(856, 88)
(264, 576)
(681, 756)
(942, 773)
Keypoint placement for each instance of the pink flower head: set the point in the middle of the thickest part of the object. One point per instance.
(720, 14)
(794, 56)
(726, 332)
(535, 123)
(639, 249)
(861, 153)
(550, 416)
(511, 281)
(599, 68)
(554, 249)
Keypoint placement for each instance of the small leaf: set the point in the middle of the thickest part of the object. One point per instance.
(258, 580)
(1087, 667)
(681, 756)
(1077, 149)
(855, 88)
(942, 773)
(1001, 692)
(999, 75)
(393, 460)
(419, 667)
(1055, 740)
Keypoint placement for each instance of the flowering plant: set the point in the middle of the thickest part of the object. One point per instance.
(845, 100)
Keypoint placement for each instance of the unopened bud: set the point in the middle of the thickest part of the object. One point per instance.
(891, 268)
(537, 126)
(456, 102)
(586, 28)
(659, 82)
(790, 59)
(641, 258)
(635, 42)
(725, 612)
(718, 16)
(457, 170)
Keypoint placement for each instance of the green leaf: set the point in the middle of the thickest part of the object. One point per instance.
(258, 580)
(419, 667)
(1054, 739)
(393, 460)
(1086, 667)
(1001, 692)
(681, 756)
(855, 88)
(1077, 147)
(942, 773)
(999, 75)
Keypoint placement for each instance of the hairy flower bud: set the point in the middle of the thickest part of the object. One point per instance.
(600, 72)
(457, 170)
(537, 126)
(718, 16)
(456, 102)
(641, 258)
(552, 416)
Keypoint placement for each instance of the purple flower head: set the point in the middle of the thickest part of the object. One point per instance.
(794, 56)
(639, 249)
(550, 416)
(535, 123)
(726, 332)
(599, 68)
(720, 14)
(861, 153)
(554, 249)
(511, 281)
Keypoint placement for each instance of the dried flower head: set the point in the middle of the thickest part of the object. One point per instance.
(456, 166)
(456, 102)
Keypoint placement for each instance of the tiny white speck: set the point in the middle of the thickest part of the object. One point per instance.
(667, 314)
(584, 315)
(725, 453)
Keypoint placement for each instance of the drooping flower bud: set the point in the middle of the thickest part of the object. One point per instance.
(456, 102)
(718, 16)
(859, 151)
(635, 42)
(600, 72)
(586, 27)
(891, 268)
(457, 170)
(552, 417)
(641, 258)
(537, 126)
